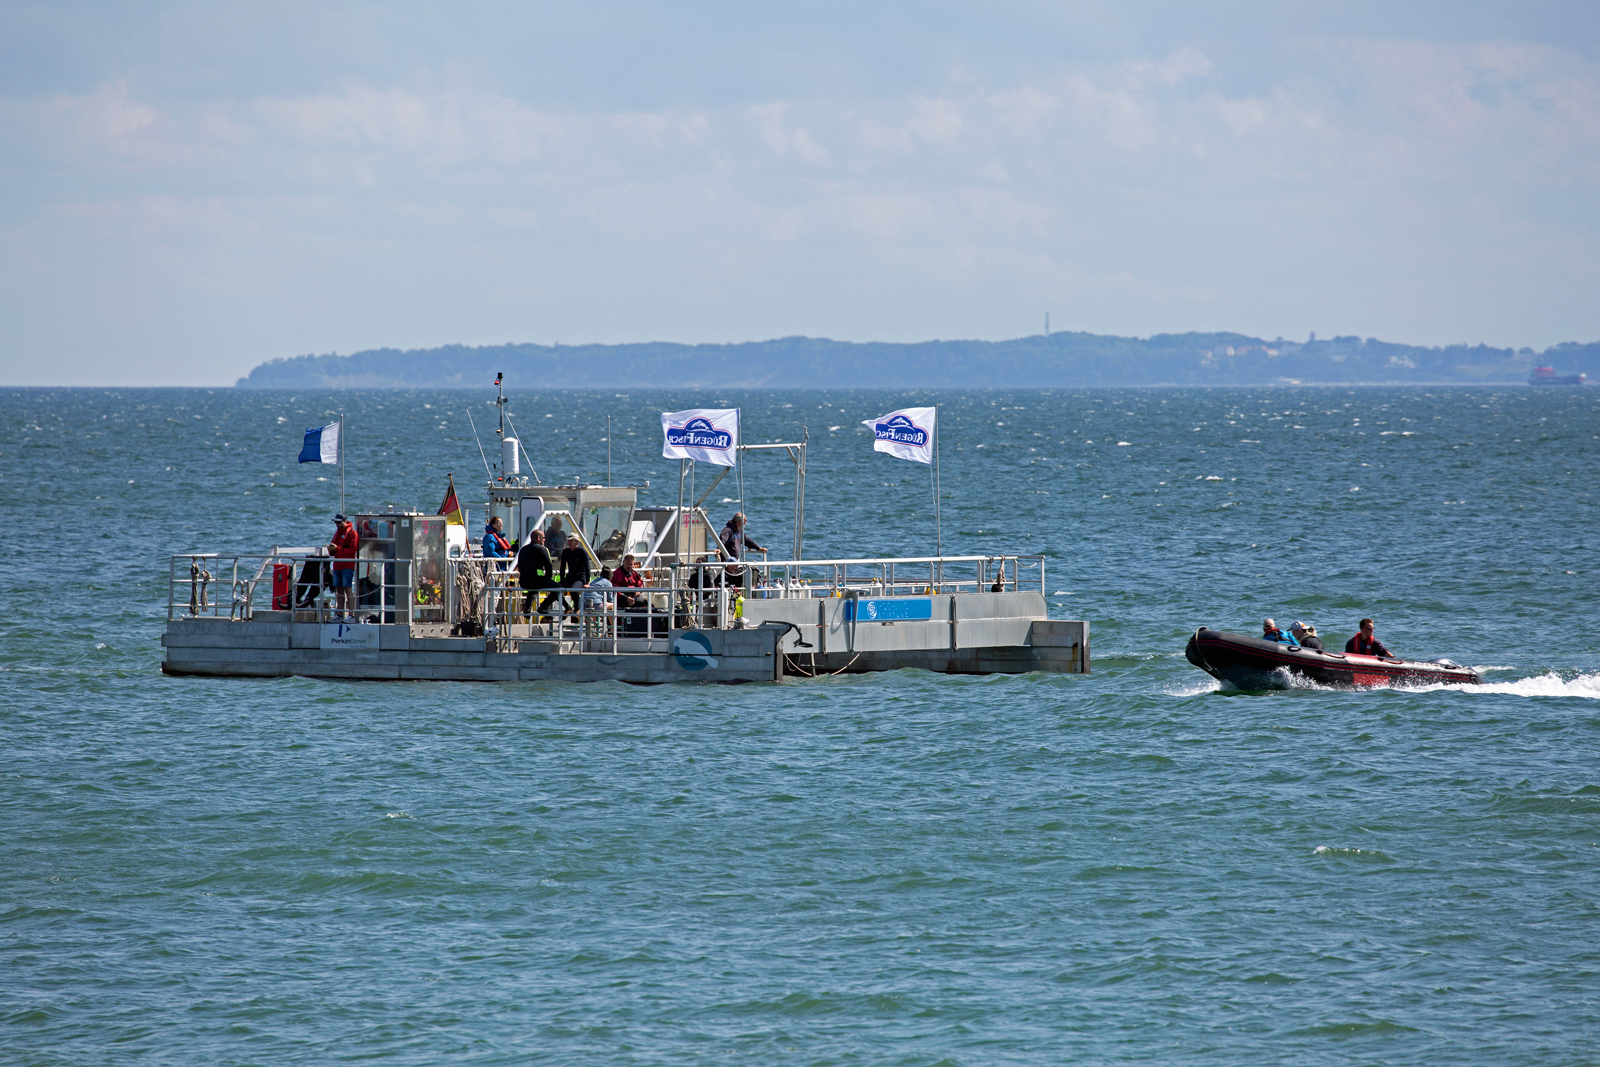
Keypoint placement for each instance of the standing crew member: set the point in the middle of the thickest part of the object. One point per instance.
(535, 572)
(574, 568)
(1365, 644)
(343, 550)
(735, 540)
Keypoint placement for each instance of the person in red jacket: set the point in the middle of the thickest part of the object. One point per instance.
(628, 576)
(343, 550)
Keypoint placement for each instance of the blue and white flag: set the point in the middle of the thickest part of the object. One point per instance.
(322, 444)
(907, 433)
(706, 435)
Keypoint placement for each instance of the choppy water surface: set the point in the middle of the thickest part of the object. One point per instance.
(904, 868)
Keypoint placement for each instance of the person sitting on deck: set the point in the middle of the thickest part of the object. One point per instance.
(628, 576)
(596, 598)
(1306, 636)
(735, 540)
(1270, 632)
(1365, 644)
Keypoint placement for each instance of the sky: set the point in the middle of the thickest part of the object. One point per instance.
(189, 189)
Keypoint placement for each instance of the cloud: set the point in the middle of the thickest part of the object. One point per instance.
(445, 127)
(1121, 117)
(1183, 63)
(1006, 208)
(110, 121)
(1020, 109)
(797, 141)
(887, 216)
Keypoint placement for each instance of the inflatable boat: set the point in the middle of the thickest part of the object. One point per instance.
(1254, 663)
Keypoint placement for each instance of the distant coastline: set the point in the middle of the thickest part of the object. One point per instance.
(1057, 360)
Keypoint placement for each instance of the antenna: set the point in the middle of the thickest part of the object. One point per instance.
(1047, 324)
(475, 437)
(500, 401)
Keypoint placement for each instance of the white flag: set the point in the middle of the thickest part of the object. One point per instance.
(907, 433)
(708, 435)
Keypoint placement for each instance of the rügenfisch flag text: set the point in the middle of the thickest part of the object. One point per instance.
(907, 433)
(706, 435)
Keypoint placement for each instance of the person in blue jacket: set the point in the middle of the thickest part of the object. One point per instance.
(1270, 632)
(495, 545)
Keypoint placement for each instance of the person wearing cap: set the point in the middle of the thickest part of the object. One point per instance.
(1270, 632)
(1306, 636)
(1366, 644)
(343, 550)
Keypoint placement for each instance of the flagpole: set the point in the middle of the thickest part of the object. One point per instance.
(938, 533)
(341, 463)
(677, 534)
(738, 457)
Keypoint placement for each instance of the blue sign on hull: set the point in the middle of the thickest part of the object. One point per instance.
(888, 610)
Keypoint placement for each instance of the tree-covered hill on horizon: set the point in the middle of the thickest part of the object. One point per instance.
(1057, 360)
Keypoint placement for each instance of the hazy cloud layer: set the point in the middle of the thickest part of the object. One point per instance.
(171, 228)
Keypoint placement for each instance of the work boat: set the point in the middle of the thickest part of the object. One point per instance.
(1256, 663)
(431, 607)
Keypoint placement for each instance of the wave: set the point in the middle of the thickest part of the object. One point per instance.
(1194, 688)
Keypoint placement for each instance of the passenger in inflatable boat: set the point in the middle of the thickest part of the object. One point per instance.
(1365, 644)
(1270, 632)
(1306, 636)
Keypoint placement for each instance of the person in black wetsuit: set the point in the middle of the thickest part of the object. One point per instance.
(535, 572)
(1365, 644)
(1306, 636)
(574, 568)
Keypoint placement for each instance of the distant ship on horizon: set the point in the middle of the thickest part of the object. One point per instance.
(1548, 376)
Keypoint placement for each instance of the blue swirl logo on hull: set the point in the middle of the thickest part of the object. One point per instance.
(902, 431)
(699, 433)
(692, 650)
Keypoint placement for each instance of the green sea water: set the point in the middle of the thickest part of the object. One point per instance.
(1129, 866)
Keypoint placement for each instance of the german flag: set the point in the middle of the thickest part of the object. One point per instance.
(451, 508)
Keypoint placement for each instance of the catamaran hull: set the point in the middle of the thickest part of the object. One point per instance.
(1252, 663)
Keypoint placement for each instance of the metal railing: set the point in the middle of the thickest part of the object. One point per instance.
(484, 597)
(790, 579)
(215, 585)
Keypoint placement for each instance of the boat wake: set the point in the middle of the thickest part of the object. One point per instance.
(1551, 684)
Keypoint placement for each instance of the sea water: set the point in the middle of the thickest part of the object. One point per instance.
(1134, 865)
